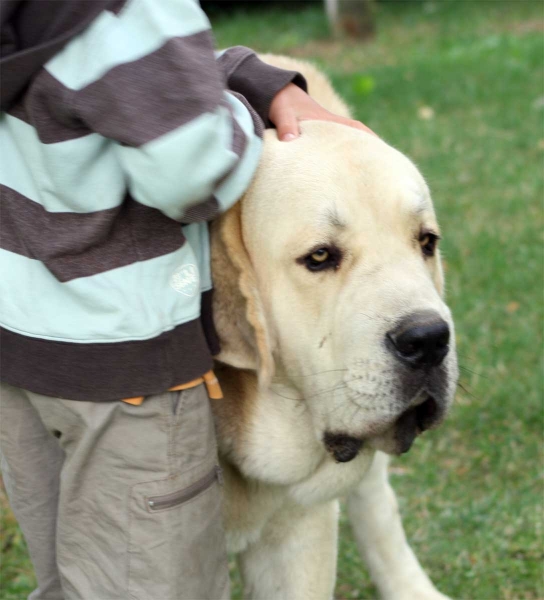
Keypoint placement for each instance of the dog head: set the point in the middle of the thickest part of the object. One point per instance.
(336, 247)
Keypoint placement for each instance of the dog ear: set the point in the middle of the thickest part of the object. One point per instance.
(238, 312)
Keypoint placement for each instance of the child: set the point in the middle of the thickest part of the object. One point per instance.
(119, 125)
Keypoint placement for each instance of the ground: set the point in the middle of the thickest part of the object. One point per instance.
(459, 87)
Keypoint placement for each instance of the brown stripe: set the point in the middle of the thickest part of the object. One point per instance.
(38, 29)
(177, 89)
(117, 6)
(139, 101)
(230, 60)
(73, 245)
(239, 140)
(258, 123)
(47, 106)
(205, 211)
(102, 372)
(132, 103)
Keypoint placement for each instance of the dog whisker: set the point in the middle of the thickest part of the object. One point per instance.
(466, 355)
(287, 377)
(339, 385)
(358, 408)
(354, 397)
(459, 384)
(286, 397)
(335, 387)
(376, 317)
(474, 372)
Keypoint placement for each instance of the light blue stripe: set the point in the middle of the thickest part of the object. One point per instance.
(86, 174)
(198, 236)
(135, 302)
(241, 114)
(230, 191)
(13, 170)
(142, 27)
(238, 182)
(179, 169)
(81, 175)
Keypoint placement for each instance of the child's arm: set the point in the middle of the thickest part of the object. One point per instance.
(148, 79)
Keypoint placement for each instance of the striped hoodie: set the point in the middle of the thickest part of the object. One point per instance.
(122, 134)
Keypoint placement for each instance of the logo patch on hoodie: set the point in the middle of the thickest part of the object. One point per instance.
(186, 280)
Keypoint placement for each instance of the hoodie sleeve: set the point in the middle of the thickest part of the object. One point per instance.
(147, 78)
(256, 80)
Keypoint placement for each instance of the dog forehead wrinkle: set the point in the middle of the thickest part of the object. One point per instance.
(332, 218)
(422, 207)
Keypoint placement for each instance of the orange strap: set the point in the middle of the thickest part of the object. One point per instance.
(209, 379)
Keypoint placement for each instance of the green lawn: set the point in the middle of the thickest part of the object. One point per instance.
(459, 87)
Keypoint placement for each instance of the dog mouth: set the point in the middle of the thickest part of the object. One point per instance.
(402, 433)
(415, 421)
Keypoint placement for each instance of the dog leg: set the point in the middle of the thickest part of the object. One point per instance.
(295, 559)
(376, 522)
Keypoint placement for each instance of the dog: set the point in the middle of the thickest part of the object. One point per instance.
(337, 350)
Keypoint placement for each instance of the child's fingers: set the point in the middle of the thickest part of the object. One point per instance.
(287, 126)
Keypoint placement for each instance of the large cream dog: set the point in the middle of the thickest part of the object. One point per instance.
(336, 347)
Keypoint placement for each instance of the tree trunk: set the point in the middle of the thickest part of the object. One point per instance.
(352, 18)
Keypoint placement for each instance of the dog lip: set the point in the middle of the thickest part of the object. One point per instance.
(419, 398)
(343, 447)
(406, 431)
(426, 414)
(415, 421)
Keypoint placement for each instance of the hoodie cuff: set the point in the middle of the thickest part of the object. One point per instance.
(258, 81)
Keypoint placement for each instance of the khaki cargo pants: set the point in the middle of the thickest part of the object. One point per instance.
(116, 501)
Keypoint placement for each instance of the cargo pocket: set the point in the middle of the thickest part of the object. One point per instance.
(192, 428)
(177, 542)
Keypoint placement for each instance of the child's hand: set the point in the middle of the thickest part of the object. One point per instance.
(291, 105)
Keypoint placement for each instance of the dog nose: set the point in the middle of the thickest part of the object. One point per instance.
(420, 340)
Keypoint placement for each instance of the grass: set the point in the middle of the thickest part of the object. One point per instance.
(459, 87)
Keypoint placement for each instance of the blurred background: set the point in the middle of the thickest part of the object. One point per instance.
(458, 86)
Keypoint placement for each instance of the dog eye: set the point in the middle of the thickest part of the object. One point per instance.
(320, 256)
(428, 242)
(322, 259)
